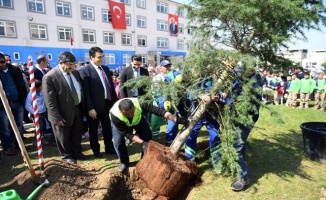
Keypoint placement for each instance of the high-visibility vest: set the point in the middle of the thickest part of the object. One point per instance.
(115, 110)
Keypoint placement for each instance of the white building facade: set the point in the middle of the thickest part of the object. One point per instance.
(39, 27)
(307, 60)
(315, 59)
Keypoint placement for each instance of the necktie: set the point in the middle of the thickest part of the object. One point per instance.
(43, 70)
(73, 90)
(106, 83)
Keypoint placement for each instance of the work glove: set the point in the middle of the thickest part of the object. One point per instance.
(144, 148)
(181, 120)
(167, 105)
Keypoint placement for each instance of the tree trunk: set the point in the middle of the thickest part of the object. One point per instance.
(181, 138)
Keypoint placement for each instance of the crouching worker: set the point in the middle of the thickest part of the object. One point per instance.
(126, 115)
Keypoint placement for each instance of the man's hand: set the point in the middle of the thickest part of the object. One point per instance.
(61, 123)
(92, 113)
(208, 98)
(170, 116)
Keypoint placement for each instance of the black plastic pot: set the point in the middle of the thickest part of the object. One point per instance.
(314, 140)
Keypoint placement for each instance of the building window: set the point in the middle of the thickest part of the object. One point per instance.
(144, 59)
(35, 5)
(110, 59)
(50, 56)
(63, 8)
(162, 43)
(38, 31)
(128, 19)
(87, 12)
(106, 16)
(141, 21)
(141, 3)
(16, 56)
(6, 3)
(126, 39)
(89, 36)
(189, 31)
(64, 33)
(188, 45)
(180, 44)
(127, 2)
(162, 7)
(180, 12)
(7, 29)
(162, 25)
(142, 40)
(126, 58)
(108, 37)
(181, 28)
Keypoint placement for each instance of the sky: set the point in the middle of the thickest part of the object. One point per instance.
(316, 40)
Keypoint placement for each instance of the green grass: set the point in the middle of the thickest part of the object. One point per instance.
(278, 168)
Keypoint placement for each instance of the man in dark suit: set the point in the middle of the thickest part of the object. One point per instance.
(132, 72)
(39, 71)
(99, 98)
(173, 27)
(63, 96)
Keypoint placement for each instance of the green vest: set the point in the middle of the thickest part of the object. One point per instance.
(137, 115)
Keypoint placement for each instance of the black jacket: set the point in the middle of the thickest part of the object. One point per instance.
(127, 131)
(94, 90)
(18, 79)
(126, 75)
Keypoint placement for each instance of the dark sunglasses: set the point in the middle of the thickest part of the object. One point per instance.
(2, 61)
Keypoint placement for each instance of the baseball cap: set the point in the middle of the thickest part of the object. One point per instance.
(24, 63)
(165, 63)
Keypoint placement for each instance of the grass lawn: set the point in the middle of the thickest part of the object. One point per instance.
(278, 168)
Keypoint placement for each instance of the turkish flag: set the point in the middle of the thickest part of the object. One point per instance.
(71, 40)
(118, 14)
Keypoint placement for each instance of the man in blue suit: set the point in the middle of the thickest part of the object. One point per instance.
(99, 98)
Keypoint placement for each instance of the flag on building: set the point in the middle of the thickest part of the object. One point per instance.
(173, 24)
(71, 40)
(118, 14)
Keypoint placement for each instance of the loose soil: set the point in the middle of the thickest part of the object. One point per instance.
(68, 181)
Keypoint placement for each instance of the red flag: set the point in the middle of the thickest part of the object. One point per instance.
(71, 40)
(173, 24)
(118, 14)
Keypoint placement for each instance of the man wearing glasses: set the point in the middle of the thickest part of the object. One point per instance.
(14, 88)
(63, 96)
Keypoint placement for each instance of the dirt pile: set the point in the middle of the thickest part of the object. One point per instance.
(66, 182)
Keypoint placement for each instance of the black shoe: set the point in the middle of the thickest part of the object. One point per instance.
(240, 184)
(69, 160)
(81, 156)
(122, 167)
(98, 155)
(110, 151)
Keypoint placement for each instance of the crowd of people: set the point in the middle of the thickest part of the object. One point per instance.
(77, 100)
(298, 85)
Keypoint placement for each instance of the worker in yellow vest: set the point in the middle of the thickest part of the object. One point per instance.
(126, 115)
